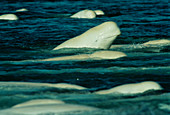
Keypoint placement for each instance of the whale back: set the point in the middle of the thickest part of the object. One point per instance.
(99, 12)
(38, 102)
(46, 109)
(161, 41)
(22, 10)
(8, 17)
(107, 55)
(89, 14)
(100, 37)
(134, 88)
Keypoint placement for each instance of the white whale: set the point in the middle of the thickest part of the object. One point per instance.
(134, 88)
(100, 37)
(38, 102)
(157, 42)
(67, 86)
(8, 17)
(37, 85)
(89, 14)
(99, 12)
(153, 45)
(22, 10)
(44, 109)
(161, 42)
(98, 55)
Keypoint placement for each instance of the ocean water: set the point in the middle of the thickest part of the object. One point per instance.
(47, 24)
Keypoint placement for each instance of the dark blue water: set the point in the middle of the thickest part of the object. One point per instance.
(47, 24)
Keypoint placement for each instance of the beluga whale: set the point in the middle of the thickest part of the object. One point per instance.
(132, 88)
(45, 107)
(8, 17)
(88, 14)
(98, 55)
(162, 42)
(150, 46)
(99, 37)
(22, 10)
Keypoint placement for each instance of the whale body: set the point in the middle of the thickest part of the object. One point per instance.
(151, 46)
(8, 17)
(99, 37)
(38, 85)
(134, 88)
(107, 55)
(89, 14)
(158, 42)
(39, 102)
(46, 109)
(98, 55)
(161, 42)
(22, 10)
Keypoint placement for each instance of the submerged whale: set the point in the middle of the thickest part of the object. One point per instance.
(89, 14)
(22, 85)
(22, 10)
(133, 88)
(98, 55)
(38, 102)
(151, 46)
(8, 17)
(100, 37)
(157, 42)
(43, 109)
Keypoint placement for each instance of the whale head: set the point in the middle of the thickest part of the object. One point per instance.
(99, 37)
(103, 35)
(99, 12)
